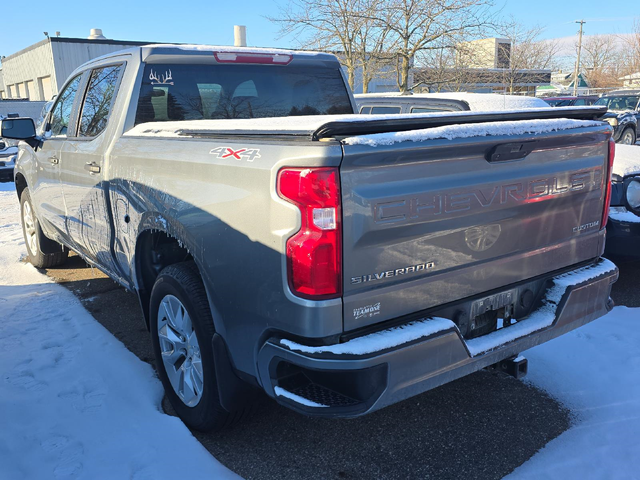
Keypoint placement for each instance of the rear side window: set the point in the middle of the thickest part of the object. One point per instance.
(61, 112)
(98, 100)
(384, 110)
(365, 110)
(196, 92)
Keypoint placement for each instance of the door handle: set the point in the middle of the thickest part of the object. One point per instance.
(92, 167)
(54, 160)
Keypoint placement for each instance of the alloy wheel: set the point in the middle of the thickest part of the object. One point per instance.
(627, 138)
(29, 226)
(180, 350)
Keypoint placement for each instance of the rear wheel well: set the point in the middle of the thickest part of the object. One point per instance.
(155, 251)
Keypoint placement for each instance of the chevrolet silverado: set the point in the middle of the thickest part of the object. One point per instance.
(279, 242)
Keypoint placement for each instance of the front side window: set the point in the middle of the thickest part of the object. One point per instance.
(98, 100)
(224, 91)
(61, 112)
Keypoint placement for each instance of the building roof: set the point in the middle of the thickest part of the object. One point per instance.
(74, 40)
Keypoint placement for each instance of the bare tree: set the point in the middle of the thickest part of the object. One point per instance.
(332, 25)
(601, 60)
(419, 25)
(526, 52)
(345, 27)
(630, 52)
(372, 46)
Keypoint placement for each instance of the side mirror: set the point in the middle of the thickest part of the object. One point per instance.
(18, 128)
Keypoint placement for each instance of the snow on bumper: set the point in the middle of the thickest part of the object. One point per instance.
(370, 372)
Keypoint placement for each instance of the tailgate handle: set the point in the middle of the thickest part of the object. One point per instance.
(509, 151)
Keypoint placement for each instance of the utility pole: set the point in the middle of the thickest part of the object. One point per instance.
(577, 71)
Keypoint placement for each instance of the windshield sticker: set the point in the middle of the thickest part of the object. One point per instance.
(165, 79)
(248, 154)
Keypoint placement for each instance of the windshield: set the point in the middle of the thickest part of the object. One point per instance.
(563, 102)
(196, 92)
(619, 103)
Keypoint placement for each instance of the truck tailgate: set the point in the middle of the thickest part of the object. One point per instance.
(428, 223)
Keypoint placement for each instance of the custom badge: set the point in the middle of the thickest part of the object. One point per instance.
(248, 154)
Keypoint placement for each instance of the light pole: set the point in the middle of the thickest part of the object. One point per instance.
(577, 71)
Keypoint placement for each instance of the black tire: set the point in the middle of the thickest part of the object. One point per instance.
(36, 257)
(628, 131)
(183, 281)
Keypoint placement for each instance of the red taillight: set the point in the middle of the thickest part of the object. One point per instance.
(314, 253)
(607, 179)
(257, 58)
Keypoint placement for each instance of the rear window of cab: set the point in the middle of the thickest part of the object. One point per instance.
(223, 91)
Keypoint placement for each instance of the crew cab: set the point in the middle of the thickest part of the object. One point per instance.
(280, 243)
(623, 114)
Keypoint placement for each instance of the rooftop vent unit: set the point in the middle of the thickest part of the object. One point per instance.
(96, 34)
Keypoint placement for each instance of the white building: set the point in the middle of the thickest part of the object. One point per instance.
(632, 80)
(39, 71)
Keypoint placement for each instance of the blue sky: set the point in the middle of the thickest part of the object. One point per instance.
(212, 21)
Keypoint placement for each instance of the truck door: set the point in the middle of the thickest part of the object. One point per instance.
(47, 191)
(82, 170)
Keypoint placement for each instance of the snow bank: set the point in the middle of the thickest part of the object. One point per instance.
(74, 402)
(595, 371)
(627, 160)
(451, 132)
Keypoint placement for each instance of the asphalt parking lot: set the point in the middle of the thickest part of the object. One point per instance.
(481, 426)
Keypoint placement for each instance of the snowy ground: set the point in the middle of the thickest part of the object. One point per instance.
(74, 402)
(595, 371)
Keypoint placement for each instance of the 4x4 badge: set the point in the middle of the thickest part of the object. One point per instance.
(248, 154)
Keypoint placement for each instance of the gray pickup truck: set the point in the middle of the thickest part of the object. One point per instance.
(278, 242)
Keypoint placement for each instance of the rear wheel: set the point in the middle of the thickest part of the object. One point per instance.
(35, 240)
(628, 137)
(182, 332)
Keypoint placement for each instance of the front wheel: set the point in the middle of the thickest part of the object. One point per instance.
(628, 137)
(35, 239)
(182, 332)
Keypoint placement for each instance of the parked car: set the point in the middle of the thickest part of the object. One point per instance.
(623, 228)
(571, 101)
(393, 103)
(339, 263)
(8, 155)
(623, 114)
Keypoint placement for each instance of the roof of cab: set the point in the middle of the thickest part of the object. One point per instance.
(145, 51)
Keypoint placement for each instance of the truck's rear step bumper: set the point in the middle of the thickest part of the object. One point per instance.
(371, 372)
